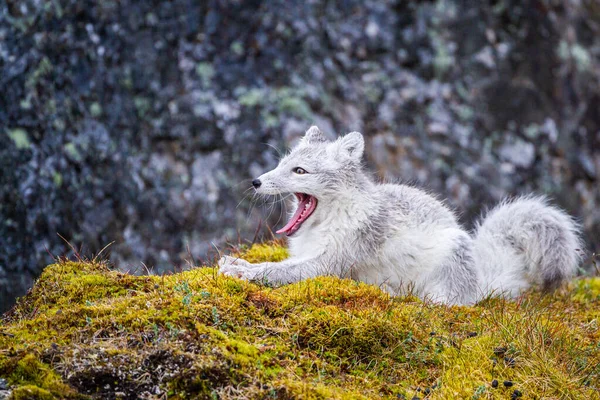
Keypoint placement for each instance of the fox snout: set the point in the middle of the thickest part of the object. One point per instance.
(268, 183)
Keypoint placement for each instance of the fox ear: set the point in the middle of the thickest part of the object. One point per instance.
(313, 135)
(353, 145)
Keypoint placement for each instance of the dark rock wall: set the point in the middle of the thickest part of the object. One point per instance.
(140, 122)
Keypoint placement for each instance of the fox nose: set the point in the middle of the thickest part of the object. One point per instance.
(256, 183)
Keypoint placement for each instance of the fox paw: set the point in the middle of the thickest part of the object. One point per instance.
(234, 266)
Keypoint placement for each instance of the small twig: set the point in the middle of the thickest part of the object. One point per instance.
(191, 261)
(146, 268)
(76, 253)
(55, 258)
(103, 249)
(257, 231)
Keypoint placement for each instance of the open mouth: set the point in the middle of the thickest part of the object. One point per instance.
(306, 206)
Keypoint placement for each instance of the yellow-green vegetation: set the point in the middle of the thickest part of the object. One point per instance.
(87, 331)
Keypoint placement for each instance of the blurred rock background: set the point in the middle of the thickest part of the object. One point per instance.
(141, 122)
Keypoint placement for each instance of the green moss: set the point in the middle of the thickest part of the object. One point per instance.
(283, 100)
(252, 97)
(206, 72)
(96, 109)
(261, 252)
(84, 329)
(43, 69)
(34, 379)
(72, 151)
(142, 105)
(20, 138)
(237, 48)
(58, 179)
(30, 392)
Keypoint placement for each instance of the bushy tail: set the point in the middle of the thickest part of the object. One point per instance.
(525, 241)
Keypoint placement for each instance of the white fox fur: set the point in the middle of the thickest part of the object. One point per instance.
(400, 238)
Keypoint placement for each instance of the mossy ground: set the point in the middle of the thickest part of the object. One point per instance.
(86, 331)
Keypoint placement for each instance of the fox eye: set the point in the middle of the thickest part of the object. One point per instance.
(299, 171)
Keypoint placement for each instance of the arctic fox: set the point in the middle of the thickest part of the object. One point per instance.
(400, 238)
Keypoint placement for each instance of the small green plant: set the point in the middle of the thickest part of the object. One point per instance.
(480, 391)
(215, 316)
(174, 331)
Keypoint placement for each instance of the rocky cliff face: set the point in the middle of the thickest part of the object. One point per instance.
(140, 122)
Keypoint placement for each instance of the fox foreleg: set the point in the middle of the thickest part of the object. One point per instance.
(276, 273)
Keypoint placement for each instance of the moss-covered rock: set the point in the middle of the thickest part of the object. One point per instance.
(87, 331)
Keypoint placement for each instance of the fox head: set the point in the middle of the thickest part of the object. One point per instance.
(316, 166)
(316, 170)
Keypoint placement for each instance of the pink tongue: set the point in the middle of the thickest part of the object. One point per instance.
(303, 200)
